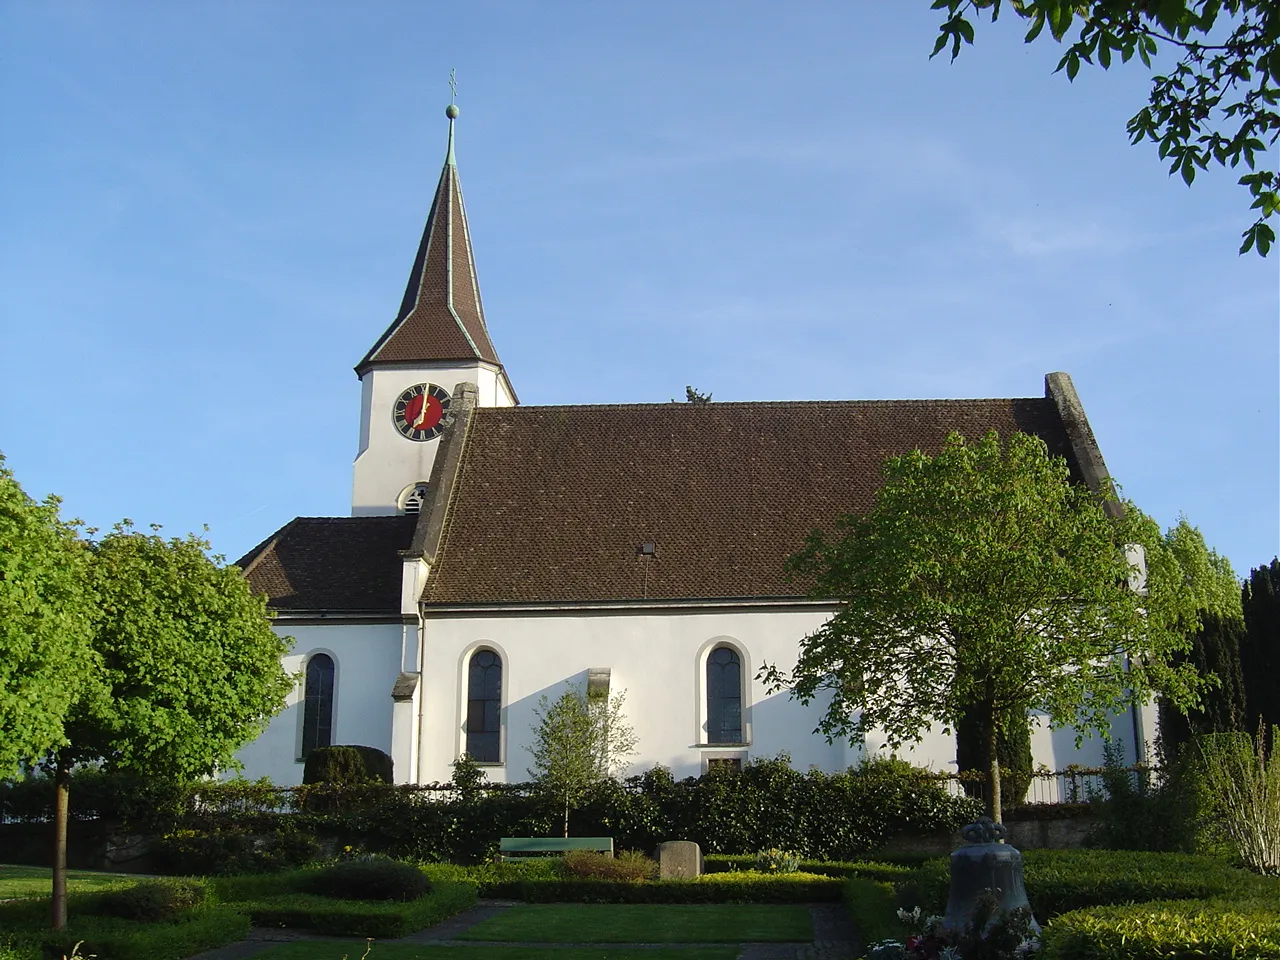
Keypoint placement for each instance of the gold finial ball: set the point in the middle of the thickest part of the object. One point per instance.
(452, 111)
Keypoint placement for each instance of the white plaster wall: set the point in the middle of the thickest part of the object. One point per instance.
(366, 661)
(386, 462)
(659, 660)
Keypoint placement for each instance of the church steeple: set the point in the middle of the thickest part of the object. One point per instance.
(441, 318)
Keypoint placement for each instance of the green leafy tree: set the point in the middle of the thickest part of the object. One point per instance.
(580, 739)
(1216, 104)
(984, 579)
(1013, 752)
(1215, 636)
(45, 623)
(189, 669)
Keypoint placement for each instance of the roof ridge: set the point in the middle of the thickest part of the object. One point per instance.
(755, 403)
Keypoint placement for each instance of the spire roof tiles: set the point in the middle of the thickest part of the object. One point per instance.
(441, 317)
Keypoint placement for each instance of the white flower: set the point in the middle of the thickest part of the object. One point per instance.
(1027, 948)
(949, 953)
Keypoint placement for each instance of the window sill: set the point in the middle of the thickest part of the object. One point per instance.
(722, 746)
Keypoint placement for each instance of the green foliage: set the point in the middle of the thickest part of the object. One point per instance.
(45, 624)
(627, 866)
(369, 878)
(224, 851)
(776, 861)
(117, 797)
(1138, 814)
(862, 869)
(1244, 793)
(579, 741)
(348, 764)
(1260, 651)
(951, 590)
(1013, 750)
(870, 905)
(190, 665)
(1174, 930)
(1217, 103)
(157, 901)
(693, 396)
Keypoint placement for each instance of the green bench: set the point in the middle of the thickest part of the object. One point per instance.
(520, 848)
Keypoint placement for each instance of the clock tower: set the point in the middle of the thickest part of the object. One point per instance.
(437, 341)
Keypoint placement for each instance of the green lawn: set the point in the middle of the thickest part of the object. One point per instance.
(20, 883)
(645, 923)
(403, 951)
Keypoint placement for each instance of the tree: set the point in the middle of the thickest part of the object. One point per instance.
(693, 396)
(45, 625)
(190, 669)
(579, 740)
(984, 579)
(1217, 103)
(1215, 638)
(1260, 651)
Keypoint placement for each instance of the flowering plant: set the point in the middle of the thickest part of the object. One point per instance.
(992, 934)
(777, 861)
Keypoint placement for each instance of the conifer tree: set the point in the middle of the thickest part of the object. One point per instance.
(1260, 650)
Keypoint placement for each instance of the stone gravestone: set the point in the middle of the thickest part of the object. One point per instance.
(679, 860)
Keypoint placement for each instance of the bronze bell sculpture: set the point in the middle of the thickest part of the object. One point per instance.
(984, 862)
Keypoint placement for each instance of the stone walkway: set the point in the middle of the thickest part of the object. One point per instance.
(833, 938)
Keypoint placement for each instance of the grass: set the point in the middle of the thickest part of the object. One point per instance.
(406, 951)
(645, 923)
(25, 883)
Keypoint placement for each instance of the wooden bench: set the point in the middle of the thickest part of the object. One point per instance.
(520, 848)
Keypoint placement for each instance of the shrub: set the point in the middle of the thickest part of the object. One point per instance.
(158, 901)
(347, 764)
(867, 869)
(1212, 930)
(774, 860)
(870, 906)
(1059, 881)
(369, 878)
(629, 865)
(1244, 787)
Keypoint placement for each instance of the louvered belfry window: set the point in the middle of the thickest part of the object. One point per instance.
(484, 707)
(317, 707)
(724, 696)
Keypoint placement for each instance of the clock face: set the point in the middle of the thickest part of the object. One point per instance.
(419, 412)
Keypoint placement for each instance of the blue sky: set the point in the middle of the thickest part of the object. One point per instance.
(208, 211)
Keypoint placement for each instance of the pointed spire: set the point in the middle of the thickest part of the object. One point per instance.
(441, 317)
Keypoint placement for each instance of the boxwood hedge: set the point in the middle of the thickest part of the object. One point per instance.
(1167, 930)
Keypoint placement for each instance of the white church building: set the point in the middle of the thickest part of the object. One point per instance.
(497, 552)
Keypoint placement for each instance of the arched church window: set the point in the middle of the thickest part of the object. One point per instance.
(317, 704)
(724, 696)
(412, 500)
(484, 707)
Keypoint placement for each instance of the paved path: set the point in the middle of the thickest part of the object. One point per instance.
(833, 938)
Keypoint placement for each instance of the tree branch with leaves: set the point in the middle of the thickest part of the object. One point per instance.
(1216, 104)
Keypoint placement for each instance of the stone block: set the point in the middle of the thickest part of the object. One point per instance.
(679, 860)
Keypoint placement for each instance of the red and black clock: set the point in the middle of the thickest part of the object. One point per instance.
(419, 412)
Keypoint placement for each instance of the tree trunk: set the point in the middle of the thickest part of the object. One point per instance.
(993, 778)
(566, 818)
(61, 807)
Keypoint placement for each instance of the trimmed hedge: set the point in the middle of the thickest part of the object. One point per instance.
(348, 764)
(369, 878)
(110, 938)
(1169, 930)
(872, 908)
(350, 918)
(713, 888)
(871, 869)
(156, 901)
(1059, 881)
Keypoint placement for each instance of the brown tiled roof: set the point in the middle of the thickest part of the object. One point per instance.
(332, 564)
(441, 316)
(551, 502)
